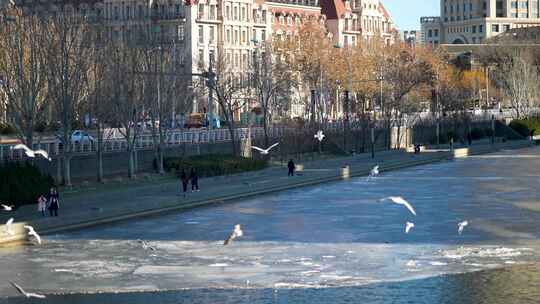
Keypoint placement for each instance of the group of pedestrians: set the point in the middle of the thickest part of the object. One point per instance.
(193, 178)
(51, 202)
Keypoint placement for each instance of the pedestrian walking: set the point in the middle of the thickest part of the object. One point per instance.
(54, 204)
(42, 204)
(194, 180)
(291, 167)
(185, 181)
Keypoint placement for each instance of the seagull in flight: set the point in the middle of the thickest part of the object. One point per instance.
(461, 226)
(33, 233)
(319, 136)
(400, 201)
(26, 294)
(237, 232)
(147, 246)
(8, 227)
(7, 208)
(263, 151)
(408, 227)
(31, 153)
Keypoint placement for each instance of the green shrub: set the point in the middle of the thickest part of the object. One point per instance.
(22, 183)
(6, 129)
(213, 164)
(525, 126)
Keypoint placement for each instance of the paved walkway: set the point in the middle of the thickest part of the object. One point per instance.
(111, 204)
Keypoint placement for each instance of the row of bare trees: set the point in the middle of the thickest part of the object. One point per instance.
(60, 69)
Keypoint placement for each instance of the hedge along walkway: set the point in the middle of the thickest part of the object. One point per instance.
(93, 208)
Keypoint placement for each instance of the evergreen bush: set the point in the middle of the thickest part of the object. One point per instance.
(22, 184)
(213, 164)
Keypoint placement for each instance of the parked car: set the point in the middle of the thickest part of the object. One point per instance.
(81, 137)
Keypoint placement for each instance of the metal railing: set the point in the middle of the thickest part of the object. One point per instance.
(144, 141)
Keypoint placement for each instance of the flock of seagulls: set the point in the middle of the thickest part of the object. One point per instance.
(32, 153)
(237, 231)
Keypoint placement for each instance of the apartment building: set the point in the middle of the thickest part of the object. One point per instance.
(354, 22)
(475, 21)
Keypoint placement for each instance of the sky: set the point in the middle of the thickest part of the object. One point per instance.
(406, 13)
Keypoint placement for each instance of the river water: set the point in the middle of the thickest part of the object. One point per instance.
(330, 243)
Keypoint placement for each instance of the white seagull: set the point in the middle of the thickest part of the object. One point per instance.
(33, 233)
(26, 294)
(237, 232)
(400, 201)
(7, 208)
(319, 136)
(374, 172)
(8, 227)
(408, 227)
(31, 153)
(146, 246)
(461, 226)
(263, 151)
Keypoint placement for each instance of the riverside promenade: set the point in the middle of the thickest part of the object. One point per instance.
(102, 204)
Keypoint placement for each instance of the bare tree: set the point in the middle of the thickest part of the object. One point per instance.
(23, 65)
(68, 49)
(271, 78)
(519, 79)
(126, 95)
(231, 89)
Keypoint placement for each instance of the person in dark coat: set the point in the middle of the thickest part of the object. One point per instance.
(54, 204)
(291, 167)
(185, 181)
(194, 180)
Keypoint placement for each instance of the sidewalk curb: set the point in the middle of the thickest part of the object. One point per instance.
(441, 156)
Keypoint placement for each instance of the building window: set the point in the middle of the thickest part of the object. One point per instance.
(436, 33)
(201, 58)
(244, 14)
(201, 11)
(506, 27)
(235, 13)
(212, 12)
(211, 34)
(495, 28)
(473, 29)
(235, 36)
(228, 36)
(480, 28)
(263, 35)
(228, 12)
(430, 33)
(211, 57)
(201, 34)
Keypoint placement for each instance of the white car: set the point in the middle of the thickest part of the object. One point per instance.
(81, 137)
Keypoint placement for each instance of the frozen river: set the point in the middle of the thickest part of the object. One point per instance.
(330, 243)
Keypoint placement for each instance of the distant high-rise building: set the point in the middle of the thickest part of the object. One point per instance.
(475, 21)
